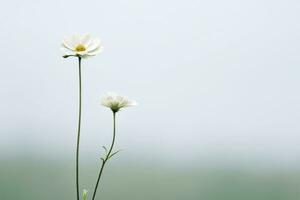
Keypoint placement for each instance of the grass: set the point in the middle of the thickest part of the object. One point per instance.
(44, 180)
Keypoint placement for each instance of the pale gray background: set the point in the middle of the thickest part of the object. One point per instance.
(217, 81)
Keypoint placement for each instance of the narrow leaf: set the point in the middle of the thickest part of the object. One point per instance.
(114, 153)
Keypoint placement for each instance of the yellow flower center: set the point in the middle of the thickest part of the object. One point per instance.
(80, 47)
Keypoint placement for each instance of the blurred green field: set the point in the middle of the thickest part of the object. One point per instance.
(45, 180)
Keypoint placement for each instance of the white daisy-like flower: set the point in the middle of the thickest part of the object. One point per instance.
(115, 102)
(81, 46)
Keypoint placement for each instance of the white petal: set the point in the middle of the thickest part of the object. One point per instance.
(67, 51)
(75, 39)
(94, 45)
(95, 52)
(86, 40)
(68, 44)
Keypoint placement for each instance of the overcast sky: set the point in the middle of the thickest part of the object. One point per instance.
(212, 78)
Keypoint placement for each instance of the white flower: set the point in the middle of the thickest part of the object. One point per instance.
(81, 46)
(115, 102)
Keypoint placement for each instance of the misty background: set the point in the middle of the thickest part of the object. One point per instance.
(216, 81)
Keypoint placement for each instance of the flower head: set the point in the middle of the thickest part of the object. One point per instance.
(115, 102)
(81, 46)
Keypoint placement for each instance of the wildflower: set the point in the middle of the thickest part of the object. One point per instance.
(82, 46)
(115, 102)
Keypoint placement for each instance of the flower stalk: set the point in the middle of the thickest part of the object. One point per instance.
(78, 130)
(108, 155)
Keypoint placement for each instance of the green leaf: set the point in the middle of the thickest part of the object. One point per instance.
(104, 149)
(114, 153)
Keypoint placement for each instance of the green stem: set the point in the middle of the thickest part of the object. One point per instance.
(114, 135)
(107, 155)
(78, 133)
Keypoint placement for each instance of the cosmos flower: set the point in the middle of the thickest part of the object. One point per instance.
(115, 102)
(81, 46)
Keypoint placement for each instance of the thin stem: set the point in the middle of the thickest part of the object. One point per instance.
(114, 134)
(98, 179)
(78, 133)
(107, 155)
